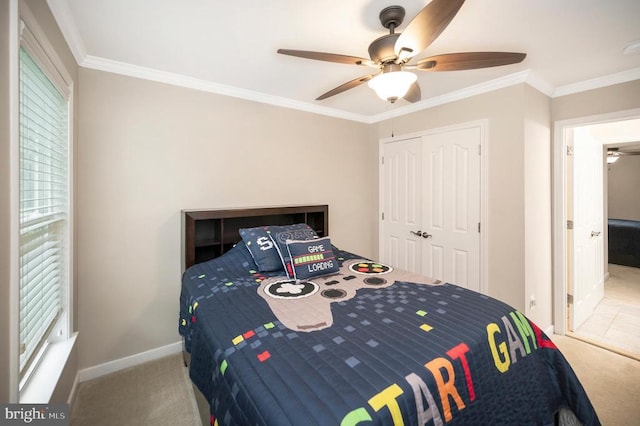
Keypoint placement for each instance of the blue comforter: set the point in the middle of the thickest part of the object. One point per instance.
(392, 354)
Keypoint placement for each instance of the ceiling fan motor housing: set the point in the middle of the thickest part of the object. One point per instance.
(383, 49)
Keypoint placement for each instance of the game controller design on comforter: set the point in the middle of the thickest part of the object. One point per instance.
(368, 345)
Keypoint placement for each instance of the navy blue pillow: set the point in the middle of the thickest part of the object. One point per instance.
(312, 258)
(280, 235)
(262, 248)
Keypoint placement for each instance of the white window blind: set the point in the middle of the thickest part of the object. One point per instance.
(44, 206)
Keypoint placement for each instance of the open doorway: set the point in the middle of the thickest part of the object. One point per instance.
(613, 323)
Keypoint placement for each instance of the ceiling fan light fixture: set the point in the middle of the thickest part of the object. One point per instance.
(391, 86)
(612, 155)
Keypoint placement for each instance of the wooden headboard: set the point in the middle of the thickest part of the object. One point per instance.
(207, 234)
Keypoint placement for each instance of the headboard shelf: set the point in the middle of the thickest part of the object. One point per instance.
(207, 234)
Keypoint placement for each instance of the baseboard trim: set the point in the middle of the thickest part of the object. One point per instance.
(130, 361)
(549, 330)
(74, 390)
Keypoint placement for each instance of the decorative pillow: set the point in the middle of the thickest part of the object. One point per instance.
(262, 248)
(280, 235)
(312, 258)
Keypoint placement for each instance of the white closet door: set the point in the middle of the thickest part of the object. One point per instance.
(451, 206)
(401, 204)
(431, 204)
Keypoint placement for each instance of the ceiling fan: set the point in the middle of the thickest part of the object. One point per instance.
(614, 153)
(391, 54)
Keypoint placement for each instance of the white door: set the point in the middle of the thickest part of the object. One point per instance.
(401, 198)
(430, 200)
(451, 207)
(587, 269)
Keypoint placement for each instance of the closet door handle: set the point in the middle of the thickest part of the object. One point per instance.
(595, 233)
(421, 234)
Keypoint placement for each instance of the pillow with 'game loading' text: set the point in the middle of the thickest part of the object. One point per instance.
(262, 248)
(312, 258)
(280, 234)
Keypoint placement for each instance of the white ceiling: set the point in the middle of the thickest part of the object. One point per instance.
(623, 134)
(229, 47)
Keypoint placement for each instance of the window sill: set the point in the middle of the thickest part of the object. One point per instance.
(45, 378)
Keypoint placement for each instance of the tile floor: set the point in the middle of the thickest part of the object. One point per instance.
(616, 320)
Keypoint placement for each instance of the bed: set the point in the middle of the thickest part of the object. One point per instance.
(624, 242)
(351, 341)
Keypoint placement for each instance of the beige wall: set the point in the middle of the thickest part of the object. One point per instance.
(504, 109)
(619, 97)
(623, 184)
(537, 208)
(147, 150)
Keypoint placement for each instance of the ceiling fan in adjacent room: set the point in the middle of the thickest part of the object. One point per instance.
(613, 153)
(391, 54)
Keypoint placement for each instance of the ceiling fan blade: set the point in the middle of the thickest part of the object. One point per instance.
(328, 57)
(426, 27)
(346, 86)
(414, 94)
(469, 61)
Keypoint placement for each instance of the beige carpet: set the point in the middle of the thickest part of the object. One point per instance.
(155, 393)
(612, 381)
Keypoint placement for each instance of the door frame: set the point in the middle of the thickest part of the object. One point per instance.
(483, 124)
(562, 133)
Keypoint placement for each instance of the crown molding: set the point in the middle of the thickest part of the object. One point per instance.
(467, 92)
(152, 74)
(539, 83)
(63, 16)
(597, 83)
(526, 76)
(145, 73)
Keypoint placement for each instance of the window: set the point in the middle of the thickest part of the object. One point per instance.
(44, 202)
